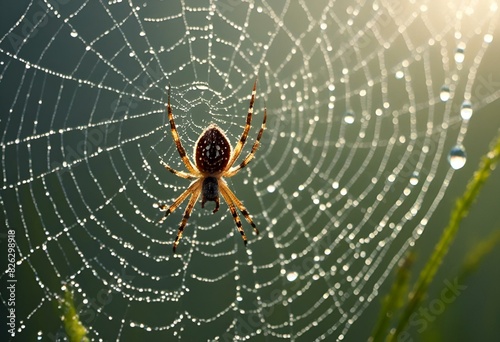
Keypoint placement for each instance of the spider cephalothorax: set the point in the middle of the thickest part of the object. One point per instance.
(213, 161)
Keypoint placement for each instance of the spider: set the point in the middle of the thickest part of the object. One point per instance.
(213, 161)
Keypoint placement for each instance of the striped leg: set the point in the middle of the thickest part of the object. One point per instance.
(187, 214)
(177, 173)
(193, 188)
(178, 144)
(241, 143)
(225, 190)
(234, 170)
(232, 209)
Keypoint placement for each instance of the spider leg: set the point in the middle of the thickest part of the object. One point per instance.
(226, 192)
(232, 209)
(178, 144)
(234, 170)
(177, 173)
(187, 213)
(241, 142)
(193, 188)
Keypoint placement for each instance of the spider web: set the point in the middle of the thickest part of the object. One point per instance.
(365, 100)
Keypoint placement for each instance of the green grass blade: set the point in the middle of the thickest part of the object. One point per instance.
(477, 254)
(394, 300)
(74, 328)
(461, 209)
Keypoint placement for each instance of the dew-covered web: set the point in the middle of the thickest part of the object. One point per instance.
(365, 102)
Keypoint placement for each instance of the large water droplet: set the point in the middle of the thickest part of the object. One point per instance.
(444, 95)
(457, 157)
(349, 117)
(466, 110)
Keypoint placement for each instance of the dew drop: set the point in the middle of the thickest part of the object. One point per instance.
(291, 276)
(73, 34)
(349, 117)
(201, 86)
(271, 188)
(399, 74)
(466, 110)
(444, 95)
(457, 157)
(459, 53)
(488, 38)
(414, 178)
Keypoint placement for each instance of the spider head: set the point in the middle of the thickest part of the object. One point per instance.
(210, 192)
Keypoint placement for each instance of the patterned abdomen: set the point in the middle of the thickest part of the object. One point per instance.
(212, 150)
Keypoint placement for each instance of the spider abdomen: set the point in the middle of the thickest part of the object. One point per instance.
(210, 192)
(212, 151)
(210, 188)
